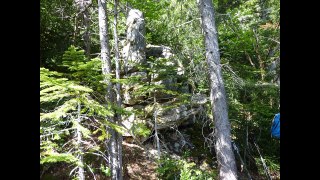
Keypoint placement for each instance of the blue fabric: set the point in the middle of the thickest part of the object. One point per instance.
(275, 128)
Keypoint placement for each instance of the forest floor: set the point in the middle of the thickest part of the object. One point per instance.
(139, 163)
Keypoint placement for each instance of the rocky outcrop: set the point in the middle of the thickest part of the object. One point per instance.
(134, 54)
(168, 70)
(135, 47)
(158, 51)
(199, 99)
(164, 52)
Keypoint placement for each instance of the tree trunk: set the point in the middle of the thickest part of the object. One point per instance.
(86, 35)
(79, 139)
(155, 114)
(83, 6)
(106, 70)
(156, 131)
(225, 155)
(113, 146)
(261, 62)
(118, 88)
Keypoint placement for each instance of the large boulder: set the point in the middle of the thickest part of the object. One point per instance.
(168, 116)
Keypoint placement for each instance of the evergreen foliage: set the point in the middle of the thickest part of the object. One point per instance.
(249, 44)
(59, 119)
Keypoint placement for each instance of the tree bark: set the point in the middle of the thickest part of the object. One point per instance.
(79, 140)
(155, 114)
(156, 131)
(83, 6)
(261, 62)
(223, 146)
(106, 70)
(86, 35)
(118, 88)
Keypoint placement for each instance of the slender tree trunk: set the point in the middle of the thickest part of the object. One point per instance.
(118, 88)
(86, 35)
(75, 29)
(82, 6)
(113, 146)
(263, 163)
(249, 58)
(155, 105)
(261, 63)
(106, 70)
(79, 139)
(105, 50)
(223, 146)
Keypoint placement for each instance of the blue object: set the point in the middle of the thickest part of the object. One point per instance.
(275, 128)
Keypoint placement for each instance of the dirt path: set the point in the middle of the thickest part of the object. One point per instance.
(136, 163)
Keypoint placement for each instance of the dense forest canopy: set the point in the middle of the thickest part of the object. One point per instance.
(126, 88)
